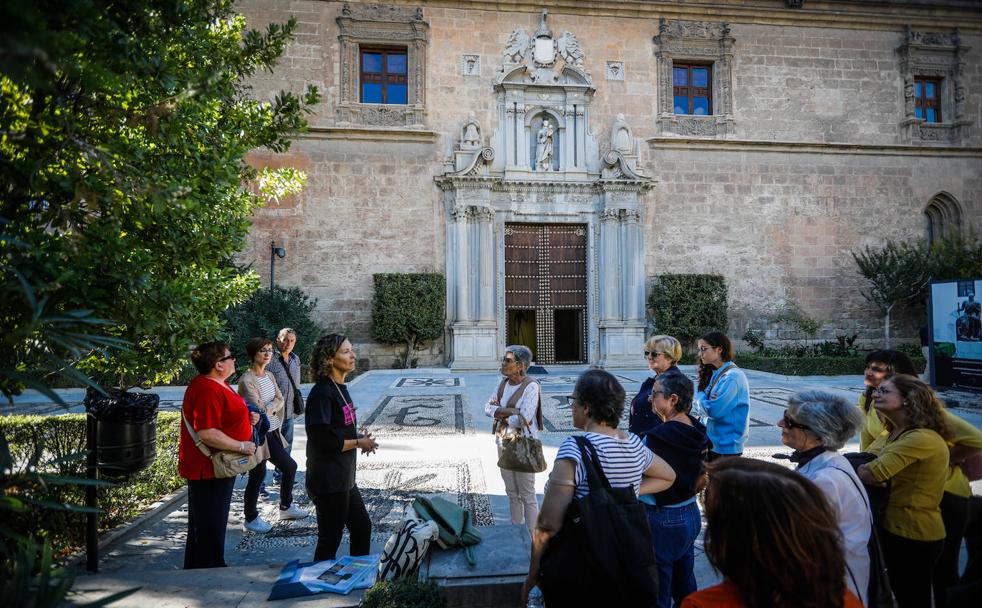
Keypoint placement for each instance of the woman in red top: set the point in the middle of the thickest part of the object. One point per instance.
(220, 418)
(772, 535)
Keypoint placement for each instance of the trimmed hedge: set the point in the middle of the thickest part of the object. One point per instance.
(809, 366)
(408, 308)
(687, 306)
(63, 436)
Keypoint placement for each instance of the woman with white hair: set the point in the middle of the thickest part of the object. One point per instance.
(514, 405)
(817, 424)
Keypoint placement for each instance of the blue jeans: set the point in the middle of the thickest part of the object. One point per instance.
(287, 430)
(673, 533)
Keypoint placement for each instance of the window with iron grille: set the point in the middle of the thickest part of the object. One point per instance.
(692, 89)
(383, 76)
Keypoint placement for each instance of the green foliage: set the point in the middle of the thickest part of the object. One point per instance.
(268, 311)
(404, 593)
(800, 319)
(687, 306)
(124, 125)
(896, 274)
(754, 338)
(61, 442)
(809, 365)
(408, 308)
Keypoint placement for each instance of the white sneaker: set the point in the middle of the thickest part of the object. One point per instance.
(293, 512)
(257, 525)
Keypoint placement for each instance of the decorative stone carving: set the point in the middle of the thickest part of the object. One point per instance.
(543, 46)
(517, 47)
(391, 25)
(621, 139)
(934, 55)
(470, 65)
(615, 70)
(470, 138)
(703, 41)
(543, 148)
(569, 49)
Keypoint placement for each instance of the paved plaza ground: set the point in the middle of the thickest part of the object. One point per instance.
(434, 438)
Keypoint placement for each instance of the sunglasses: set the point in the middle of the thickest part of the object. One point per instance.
(653, 354)
(791, 424)
(226, 358)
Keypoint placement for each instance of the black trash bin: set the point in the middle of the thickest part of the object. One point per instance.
(125, 429)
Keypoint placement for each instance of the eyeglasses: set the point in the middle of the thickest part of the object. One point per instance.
(703, 349)
(791, 424)
(879, 370)
(654, 354)
(882, 391)
(508, 360)
(226, 358)
(266, 351)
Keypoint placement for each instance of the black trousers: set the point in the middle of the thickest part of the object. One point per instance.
(335, 512)
(208, 504)
(954, 513)
(910, 564)
(279, 457)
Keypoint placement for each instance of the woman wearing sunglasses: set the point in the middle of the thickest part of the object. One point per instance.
(914, 458)
(662, 354)
(724, 395)
(817, 425)
(259, 386)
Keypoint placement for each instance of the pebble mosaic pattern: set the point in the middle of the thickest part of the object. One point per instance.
(386, 488)
(428, 382)
(412, 416)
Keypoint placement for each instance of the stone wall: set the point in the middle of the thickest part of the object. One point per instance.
(814, 167)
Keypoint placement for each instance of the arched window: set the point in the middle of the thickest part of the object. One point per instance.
(944, 217)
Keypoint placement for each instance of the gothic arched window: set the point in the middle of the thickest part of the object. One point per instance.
(944, 217)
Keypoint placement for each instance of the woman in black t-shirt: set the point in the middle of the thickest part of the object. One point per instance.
(332, 438)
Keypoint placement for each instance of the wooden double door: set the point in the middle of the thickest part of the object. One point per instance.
(546, 290)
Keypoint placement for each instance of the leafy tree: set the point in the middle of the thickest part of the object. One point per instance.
(268, 311)
(123, 130)
(408, 308)
(897, 274)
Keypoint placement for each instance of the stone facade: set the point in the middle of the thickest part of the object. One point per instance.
(811, 152)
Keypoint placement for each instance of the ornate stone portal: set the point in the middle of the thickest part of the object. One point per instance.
(543, 165)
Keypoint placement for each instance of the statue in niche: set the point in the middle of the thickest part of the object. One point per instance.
(543, 147)
(621, 139)
(471, 137)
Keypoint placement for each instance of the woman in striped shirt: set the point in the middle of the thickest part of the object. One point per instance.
(259, 387)
(598, 404)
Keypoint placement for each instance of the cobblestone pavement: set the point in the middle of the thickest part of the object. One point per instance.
(434, 438)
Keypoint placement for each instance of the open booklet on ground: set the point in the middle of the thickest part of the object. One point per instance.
(328, 576)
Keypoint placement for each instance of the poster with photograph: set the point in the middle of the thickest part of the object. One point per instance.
(956, 333)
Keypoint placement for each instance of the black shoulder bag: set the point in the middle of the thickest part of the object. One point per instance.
(603, 554)
(297, 397)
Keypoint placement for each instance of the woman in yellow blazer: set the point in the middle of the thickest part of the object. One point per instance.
(259, 387)
(915, 460)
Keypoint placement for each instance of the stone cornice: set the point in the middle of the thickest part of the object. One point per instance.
(844, 14)
(423, 136)
(657, 144)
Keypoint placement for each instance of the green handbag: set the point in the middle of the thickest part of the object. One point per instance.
(456, 528)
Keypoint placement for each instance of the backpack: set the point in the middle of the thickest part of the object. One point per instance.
(603, 553)
(456, 528)
(406, 548)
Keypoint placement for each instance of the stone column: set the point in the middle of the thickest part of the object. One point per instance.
(609, 264)
(486, 287)
(460, 278)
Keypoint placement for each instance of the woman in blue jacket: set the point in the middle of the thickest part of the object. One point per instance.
(724, 395)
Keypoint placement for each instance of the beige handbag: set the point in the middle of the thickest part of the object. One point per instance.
(522, 452)
(225, 462)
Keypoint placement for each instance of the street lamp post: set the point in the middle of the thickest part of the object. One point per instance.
(274, 252)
